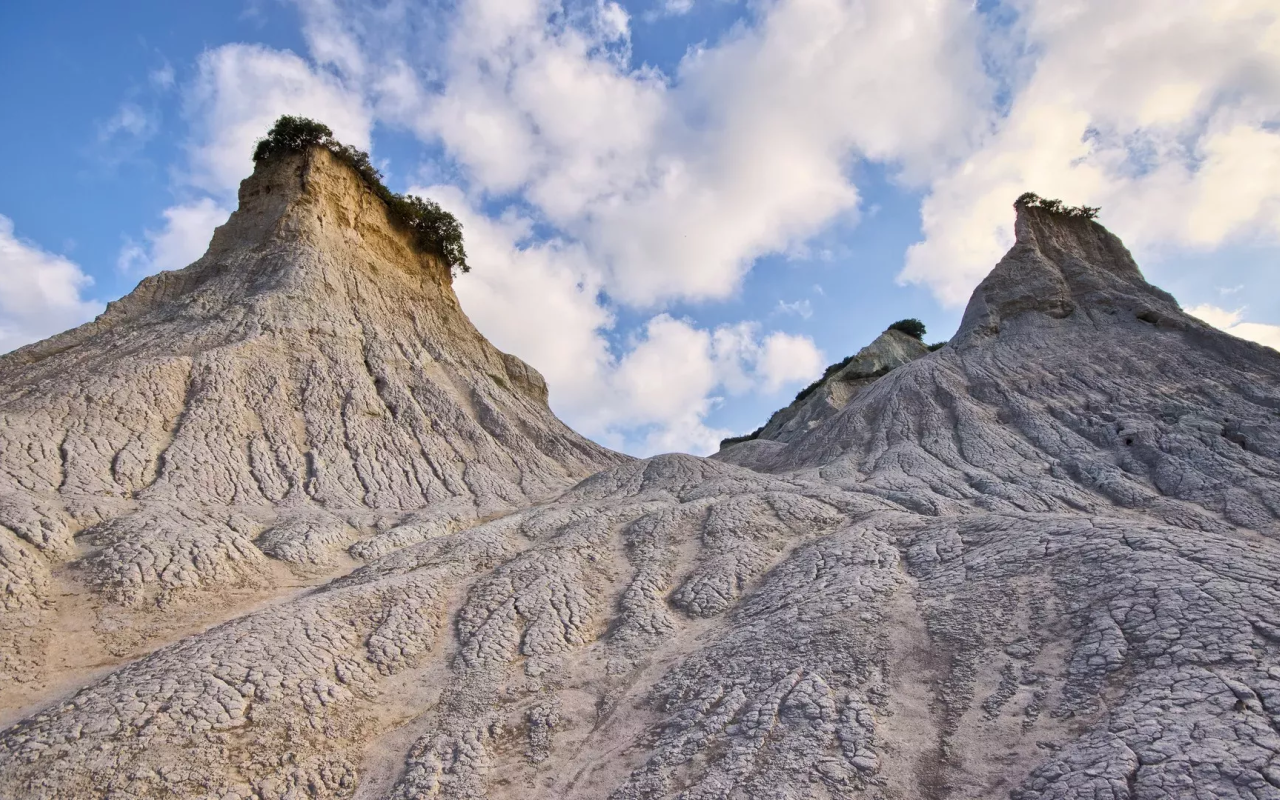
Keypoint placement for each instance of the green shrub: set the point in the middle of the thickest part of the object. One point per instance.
(1033, 200)
(434, 229)
(732, 440)
(911, 327)
(291, 134)
(937, 346)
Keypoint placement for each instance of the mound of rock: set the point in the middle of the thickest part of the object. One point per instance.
(1039, 562)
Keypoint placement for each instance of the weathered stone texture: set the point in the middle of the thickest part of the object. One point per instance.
(1039, 563)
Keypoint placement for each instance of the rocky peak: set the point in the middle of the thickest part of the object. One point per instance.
(313, 362)
(1061, 267)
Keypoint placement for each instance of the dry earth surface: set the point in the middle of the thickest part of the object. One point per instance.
(282, 524)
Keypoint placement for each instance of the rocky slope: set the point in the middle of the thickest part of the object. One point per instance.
(1040, 562)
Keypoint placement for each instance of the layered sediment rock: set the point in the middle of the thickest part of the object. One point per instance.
(1040, 562)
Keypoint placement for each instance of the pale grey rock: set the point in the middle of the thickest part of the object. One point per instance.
(1037, 563)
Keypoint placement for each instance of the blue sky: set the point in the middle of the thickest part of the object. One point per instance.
(678, 210)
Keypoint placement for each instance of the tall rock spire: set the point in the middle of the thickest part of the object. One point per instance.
(1062, 265)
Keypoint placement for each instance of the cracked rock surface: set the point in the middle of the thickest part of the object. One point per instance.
(1040, 562)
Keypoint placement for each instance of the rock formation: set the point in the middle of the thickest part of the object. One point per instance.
(288, 398)
(819, 402)
(1040, 562)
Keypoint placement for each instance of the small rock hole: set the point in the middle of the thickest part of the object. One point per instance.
(1128, 441)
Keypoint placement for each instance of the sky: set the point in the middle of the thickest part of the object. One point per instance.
(679, 211)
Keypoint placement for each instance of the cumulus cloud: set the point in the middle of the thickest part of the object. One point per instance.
(667, 383)
(786, 359)
(675, 184)
(541, 300)
(40, 293)
(184, 238)
(1233, 323)
(1165, 114)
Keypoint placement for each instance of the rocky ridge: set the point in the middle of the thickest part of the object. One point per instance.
(1039, 562)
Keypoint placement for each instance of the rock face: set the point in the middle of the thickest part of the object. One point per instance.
(1040, 562)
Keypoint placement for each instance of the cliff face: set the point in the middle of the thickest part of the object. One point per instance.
(1039, 562)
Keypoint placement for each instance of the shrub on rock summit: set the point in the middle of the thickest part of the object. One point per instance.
(434, 229)
(911, 327)
(1033, 200)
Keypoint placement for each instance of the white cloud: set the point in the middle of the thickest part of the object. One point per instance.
(788, 359)
(183, 239)
(240, 90)
(675, 184)
(1233, 323)
(40, 293)
(757, 136)
(541, 301)
(801, 308)
(1165, 114)
(670, 376)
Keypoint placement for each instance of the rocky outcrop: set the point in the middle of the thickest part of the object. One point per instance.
(1038, 563)
(819, 402)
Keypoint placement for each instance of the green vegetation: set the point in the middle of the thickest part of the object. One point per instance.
(911, 327)
(1032, 200)
(732, 440)
(937, 346)
(434, 229)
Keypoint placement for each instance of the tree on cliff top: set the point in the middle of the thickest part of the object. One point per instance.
(911, 327)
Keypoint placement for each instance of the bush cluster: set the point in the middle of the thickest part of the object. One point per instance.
(911, 327)
(732, 440)
(434, 229)
(1033, 200)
